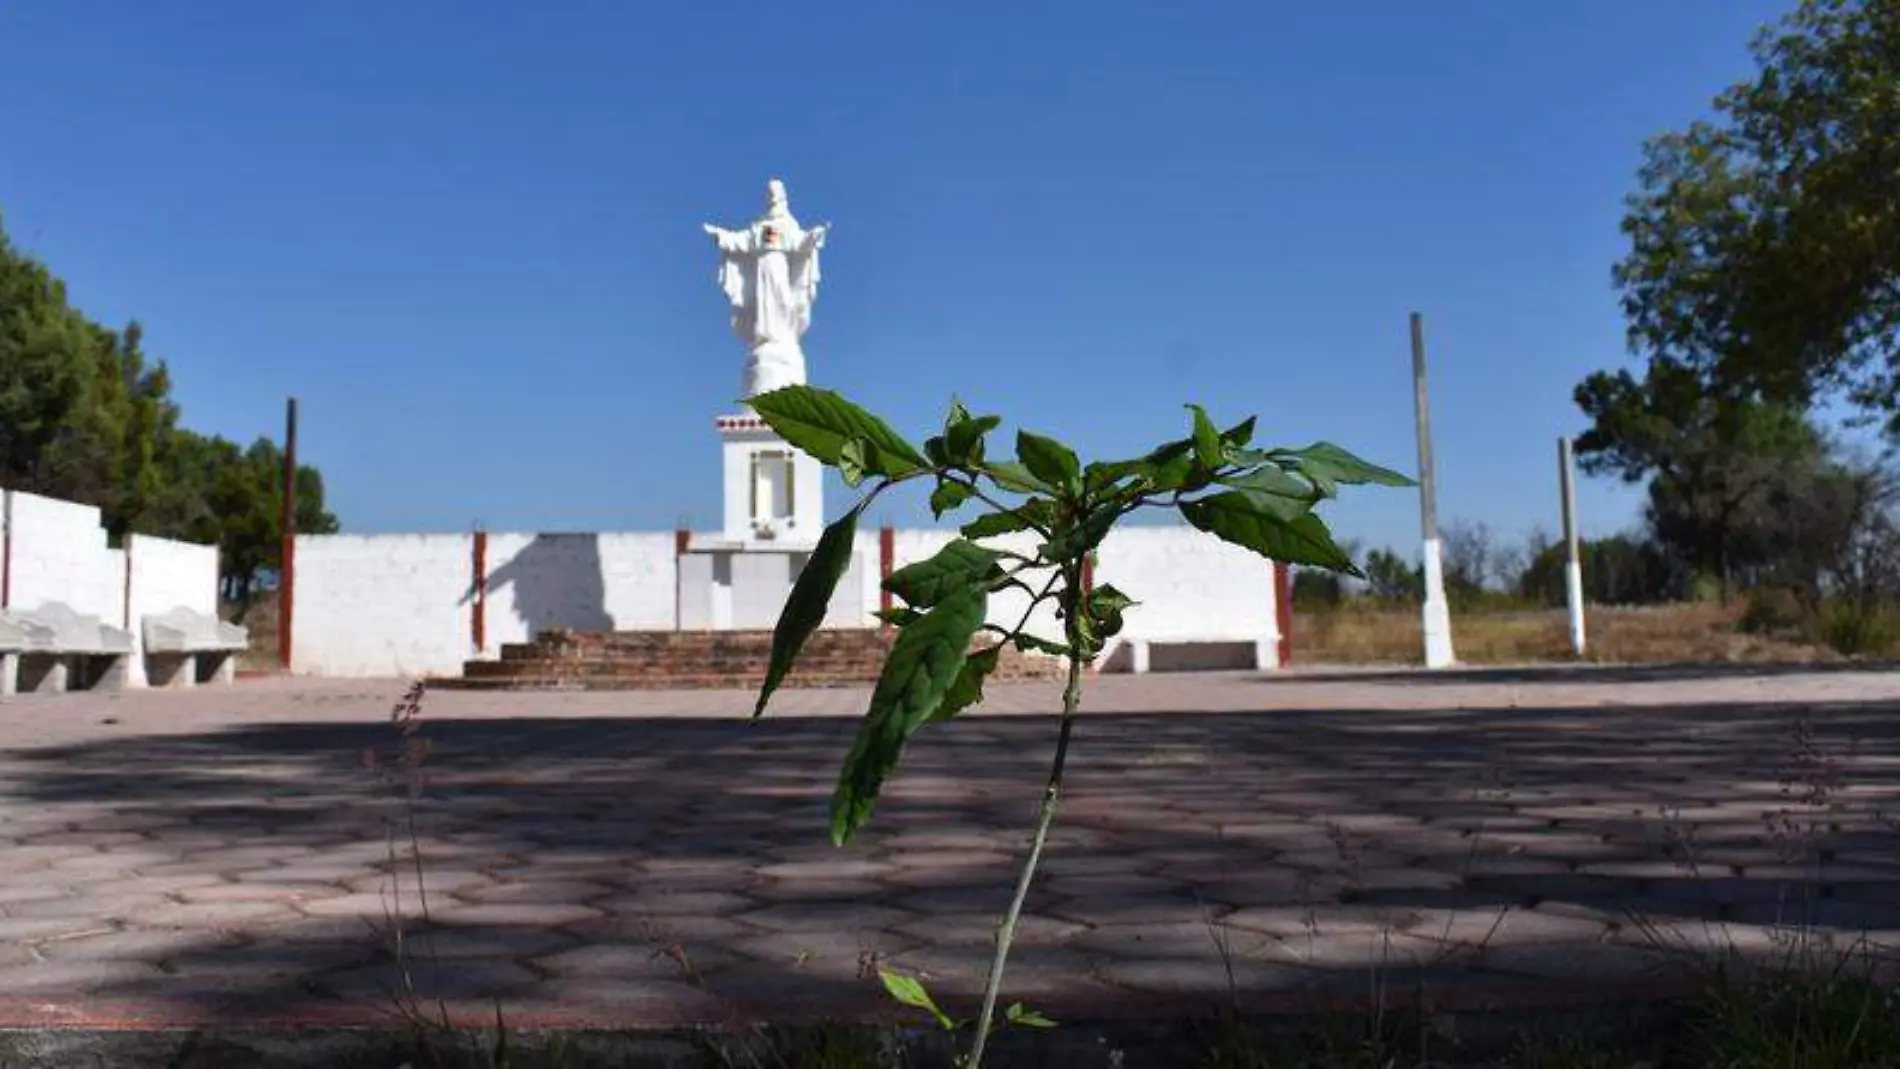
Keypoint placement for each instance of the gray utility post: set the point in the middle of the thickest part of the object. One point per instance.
(1573, 557)
(1438, 651)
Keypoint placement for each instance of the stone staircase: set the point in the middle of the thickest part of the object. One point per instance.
(693, 660)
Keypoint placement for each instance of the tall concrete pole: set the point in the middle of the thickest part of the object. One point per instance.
(1438, 650)
(1573, 557)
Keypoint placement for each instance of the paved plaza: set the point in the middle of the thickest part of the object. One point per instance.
(653, 859)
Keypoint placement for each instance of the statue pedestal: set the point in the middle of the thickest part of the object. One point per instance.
(775, 494)
(774, 513)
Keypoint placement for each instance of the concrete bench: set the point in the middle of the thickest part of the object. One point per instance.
(16, 638)
(63, 649)
(1137, 655)
(184, 648)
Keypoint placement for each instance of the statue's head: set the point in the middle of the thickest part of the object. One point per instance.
(775, 200)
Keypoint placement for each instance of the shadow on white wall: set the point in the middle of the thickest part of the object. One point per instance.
(554, 581)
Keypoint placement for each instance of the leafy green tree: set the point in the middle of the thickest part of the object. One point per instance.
(1316, 589)
(1715, 466)
(1390, 577)
(1262, 500)
(1765, 241)
(87, 416)
(1619, 570)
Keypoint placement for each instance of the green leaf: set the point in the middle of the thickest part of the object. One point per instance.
(967, 690)
(1080, 537)
(1023, 1017)
(811, 596)
(1326, 463)
(947, 496)
(1280, 493)
(1036, 510)
(1029, 643)
(960, 565)
(1166, 468)
(1207, 441)
(853, 458)
(1248, 519)
(1048, 460)
(1239, 434)
(1105, 606)
(900, 615)
(820, 422)
(922, 666)
(963, 435)
(937, 451)
(1015, 478)
(910, 991)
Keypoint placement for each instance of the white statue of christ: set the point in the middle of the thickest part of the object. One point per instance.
(769, 272)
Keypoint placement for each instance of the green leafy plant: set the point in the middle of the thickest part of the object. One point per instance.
(1262, 499)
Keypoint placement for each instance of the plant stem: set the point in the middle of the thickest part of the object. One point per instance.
(1045, 816)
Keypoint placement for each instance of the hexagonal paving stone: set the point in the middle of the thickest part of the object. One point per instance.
(1511, 927)
(463, 943)
(960, 929)
(814, 889)
(825, 916)
(535, 914)
(1183, 940)
(677, 904)
(1291, 922)
(1363, 951)
(70, 978)
(838, 867)
(449, 980)
(835, 952)
(135, 944)
(223, 916)
(99, 903)
(28, 929)
(547, 892)
(1212, 978)
(443, 881)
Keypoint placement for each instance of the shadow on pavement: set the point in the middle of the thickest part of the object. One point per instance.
(609, 862)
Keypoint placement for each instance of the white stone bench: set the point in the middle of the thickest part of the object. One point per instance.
(184, 648)
(16, 638)
(64, 649)
(1135, 654)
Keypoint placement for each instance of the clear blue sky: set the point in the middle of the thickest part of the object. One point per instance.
(466, 235)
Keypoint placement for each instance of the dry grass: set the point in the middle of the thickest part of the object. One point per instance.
(1685, 633)
(261, 619)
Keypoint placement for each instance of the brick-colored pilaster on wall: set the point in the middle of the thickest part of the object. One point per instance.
(1283, 611)
(682, 538)
(478, 612)
(886, 561)
(286, 603)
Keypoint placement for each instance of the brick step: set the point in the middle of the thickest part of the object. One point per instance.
(507, 669)
(636, 660)
(609, 683)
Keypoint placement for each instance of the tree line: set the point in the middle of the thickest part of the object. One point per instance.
(87, 415)
(1760, 288)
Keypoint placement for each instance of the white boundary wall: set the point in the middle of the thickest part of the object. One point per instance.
(57, 551)
(402, 605)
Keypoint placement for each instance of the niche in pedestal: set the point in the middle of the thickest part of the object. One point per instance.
(774, 493)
